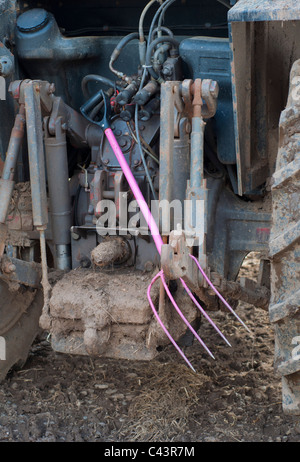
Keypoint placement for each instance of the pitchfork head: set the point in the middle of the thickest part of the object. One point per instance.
(161, 276)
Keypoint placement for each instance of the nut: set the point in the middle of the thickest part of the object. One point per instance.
(8, 267)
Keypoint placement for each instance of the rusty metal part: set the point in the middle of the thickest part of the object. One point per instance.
(167, 140)
(197, 101)
(35, 96)
(73, 122)
(13, 270)
(178, 101)
(43, 88)
(188, 99)
(176, 262)
(31, 95)
(200, 97)
(54, 107)
(7, 180)
(7, 266)
(187, 95)
(98, 186)
(247, 291)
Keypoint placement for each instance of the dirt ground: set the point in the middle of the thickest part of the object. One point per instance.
(234, 398)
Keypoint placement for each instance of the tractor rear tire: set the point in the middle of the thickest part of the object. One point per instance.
(20, 310)
(285, 249)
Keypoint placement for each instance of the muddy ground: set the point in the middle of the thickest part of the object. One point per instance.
(235, 398)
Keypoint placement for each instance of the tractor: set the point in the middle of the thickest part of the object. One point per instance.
(146, 148)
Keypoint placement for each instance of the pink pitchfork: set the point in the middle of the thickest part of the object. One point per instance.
(158, 243)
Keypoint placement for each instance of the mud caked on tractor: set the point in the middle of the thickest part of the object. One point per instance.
(146, 148)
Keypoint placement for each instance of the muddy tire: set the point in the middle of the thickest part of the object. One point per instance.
(285, 249)
(19, 325)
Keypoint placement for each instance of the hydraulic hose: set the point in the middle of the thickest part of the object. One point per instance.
(96, 78)
(152, 26)
(150, 48)
(161, 12)
(116, 53)
(142, 42)
(157, 30)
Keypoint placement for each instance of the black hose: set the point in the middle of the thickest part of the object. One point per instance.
(123, 42)
(96, 78)
(160, 9)
(162, 28)
(150, 48)
(116, 53)
(161, 13)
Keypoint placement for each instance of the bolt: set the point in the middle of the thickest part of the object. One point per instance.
(167, 71)
(122, 142)
(8, 267)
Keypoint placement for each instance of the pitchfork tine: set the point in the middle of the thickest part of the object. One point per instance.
(218, 293)
(203, 311)
(182, 316)
(161, 323)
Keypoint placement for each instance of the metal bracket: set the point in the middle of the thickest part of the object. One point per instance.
(20, 271)
(176, 262)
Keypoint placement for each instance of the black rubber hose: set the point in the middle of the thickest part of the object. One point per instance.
(164, 29)
(96, 78)
(150, 49)
(116, 53)
(123, 42)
